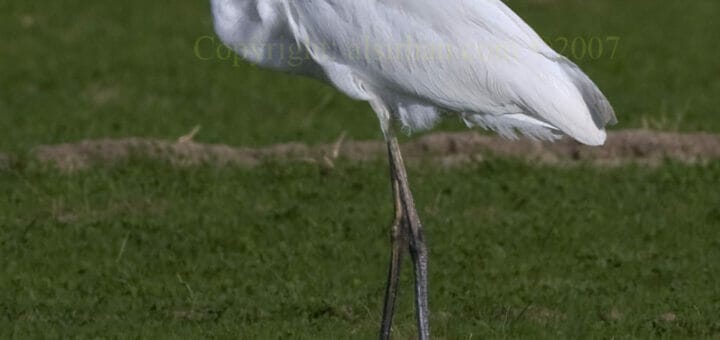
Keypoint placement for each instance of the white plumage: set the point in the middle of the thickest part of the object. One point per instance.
(411, 60)
(418, 57)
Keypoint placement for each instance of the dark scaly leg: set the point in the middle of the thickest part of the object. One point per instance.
(418, 250)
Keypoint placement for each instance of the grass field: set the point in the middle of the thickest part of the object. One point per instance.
(146, 249)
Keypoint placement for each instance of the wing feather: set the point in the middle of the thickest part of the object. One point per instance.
(472, 56)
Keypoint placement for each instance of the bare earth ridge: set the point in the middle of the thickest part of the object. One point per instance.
(640, 146)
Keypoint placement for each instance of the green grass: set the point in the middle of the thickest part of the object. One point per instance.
(282, 251)
(147, 250)
(71, 70)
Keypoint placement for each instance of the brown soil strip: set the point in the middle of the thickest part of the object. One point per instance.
(640, 146)
(5, 161)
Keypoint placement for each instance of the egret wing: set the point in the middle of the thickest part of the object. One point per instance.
(462, 55)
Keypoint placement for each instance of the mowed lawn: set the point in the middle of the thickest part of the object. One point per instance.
(287, 252)
(72, 70)
(144, 249)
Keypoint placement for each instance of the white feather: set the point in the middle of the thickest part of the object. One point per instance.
(416, 57)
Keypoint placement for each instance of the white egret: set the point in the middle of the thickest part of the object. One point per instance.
(411, 60)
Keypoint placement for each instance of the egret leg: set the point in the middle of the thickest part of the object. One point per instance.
(398, 241)
(418, 250)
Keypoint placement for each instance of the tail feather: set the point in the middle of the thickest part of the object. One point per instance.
(600, 109)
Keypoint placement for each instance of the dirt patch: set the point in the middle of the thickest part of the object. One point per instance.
(5, 161)
(542, 315)
(73, 156)
(640, 146)
(62, 212)
(534, 313)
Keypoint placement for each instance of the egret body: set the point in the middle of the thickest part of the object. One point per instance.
(411, 60)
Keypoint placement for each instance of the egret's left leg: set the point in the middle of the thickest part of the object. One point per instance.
(418, 250)
(398, 242)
